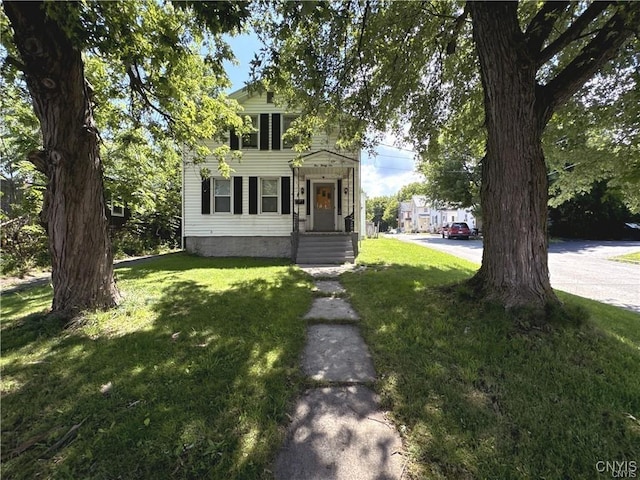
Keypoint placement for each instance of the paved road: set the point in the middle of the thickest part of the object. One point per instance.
(579, 267)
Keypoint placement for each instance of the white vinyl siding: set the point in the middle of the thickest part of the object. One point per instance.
(257, 104)
(262, 164)
(254, 164)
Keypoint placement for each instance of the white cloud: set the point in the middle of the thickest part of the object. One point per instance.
(387, 172)
(377, 183)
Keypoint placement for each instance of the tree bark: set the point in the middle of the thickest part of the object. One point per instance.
(74, 209)
(514, 190)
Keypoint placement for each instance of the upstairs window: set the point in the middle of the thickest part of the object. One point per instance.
(287, 120)
(250, 140)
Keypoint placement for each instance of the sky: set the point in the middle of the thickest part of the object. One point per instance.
(382, 174)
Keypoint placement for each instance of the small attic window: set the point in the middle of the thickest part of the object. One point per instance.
(116, 207)
(269, 97)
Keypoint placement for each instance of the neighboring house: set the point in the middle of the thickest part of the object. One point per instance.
(269, 207)
(420, 213)
(423, 215)
(117, 212)
(446, 215)
(404, 217)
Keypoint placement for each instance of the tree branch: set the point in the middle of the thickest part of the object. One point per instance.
(593, 56)
(39, 160)
(363, 26)
(137, 85)
(573, 32)
(451, 45)
(16, 63)
(542, 24)
(433, 13)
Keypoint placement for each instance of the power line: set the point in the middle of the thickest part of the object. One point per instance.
(397, 148)
(391, 168)
(390, 156)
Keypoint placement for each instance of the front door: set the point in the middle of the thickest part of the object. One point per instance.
(323, 207)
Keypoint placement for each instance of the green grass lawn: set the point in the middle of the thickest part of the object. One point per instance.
(192, 377)
(629, 258)
(477, 395)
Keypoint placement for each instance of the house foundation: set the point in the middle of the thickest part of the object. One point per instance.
(267, 247)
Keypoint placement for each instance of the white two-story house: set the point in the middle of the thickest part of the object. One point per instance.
(426, 216)
(270, 207)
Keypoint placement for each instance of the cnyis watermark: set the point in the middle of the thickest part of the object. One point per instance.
(618, 469)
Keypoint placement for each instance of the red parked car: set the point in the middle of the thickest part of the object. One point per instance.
(456, 230)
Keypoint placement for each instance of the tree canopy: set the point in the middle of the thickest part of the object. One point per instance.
(153, 74)
(465, 83)
(594, 137)
(411, 189)
(414, 64)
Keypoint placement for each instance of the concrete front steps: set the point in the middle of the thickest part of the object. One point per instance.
(325, 248)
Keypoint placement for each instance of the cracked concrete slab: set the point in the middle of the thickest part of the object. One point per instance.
(331, 308)
(328, 271)
(340, 434)
(331, 287)
(337, 353)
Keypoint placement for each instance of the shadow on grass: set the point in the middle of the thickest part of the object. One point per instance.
(480, 397)
(197, 391)
(38, 298)
(183, 261)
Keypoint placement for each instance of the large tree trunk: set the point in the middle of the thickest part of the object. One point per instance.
(514, 189)
(74, 208)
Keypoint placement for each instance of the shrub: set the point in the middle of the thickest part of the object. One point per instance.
(146, 235)
(24, 246)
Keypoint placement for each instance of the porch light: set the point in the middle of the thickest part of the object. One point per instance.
(301, 190)
(346, 190)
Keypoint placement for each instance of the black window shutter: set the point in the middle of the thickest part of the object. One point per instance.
(253, 195)
(237, 195)
(234, 141)
(264, 131)
(275, 131)
(308, 197)
(285, 201)
(206, 196)
(339, 196)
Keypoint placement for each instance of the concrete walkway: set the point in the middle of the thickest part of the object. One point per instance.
(338, 431)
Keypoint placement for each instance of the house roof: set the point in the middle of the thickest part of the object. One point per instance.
(327, 156)
(420, 200)
(324, 161)
(241, 94)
